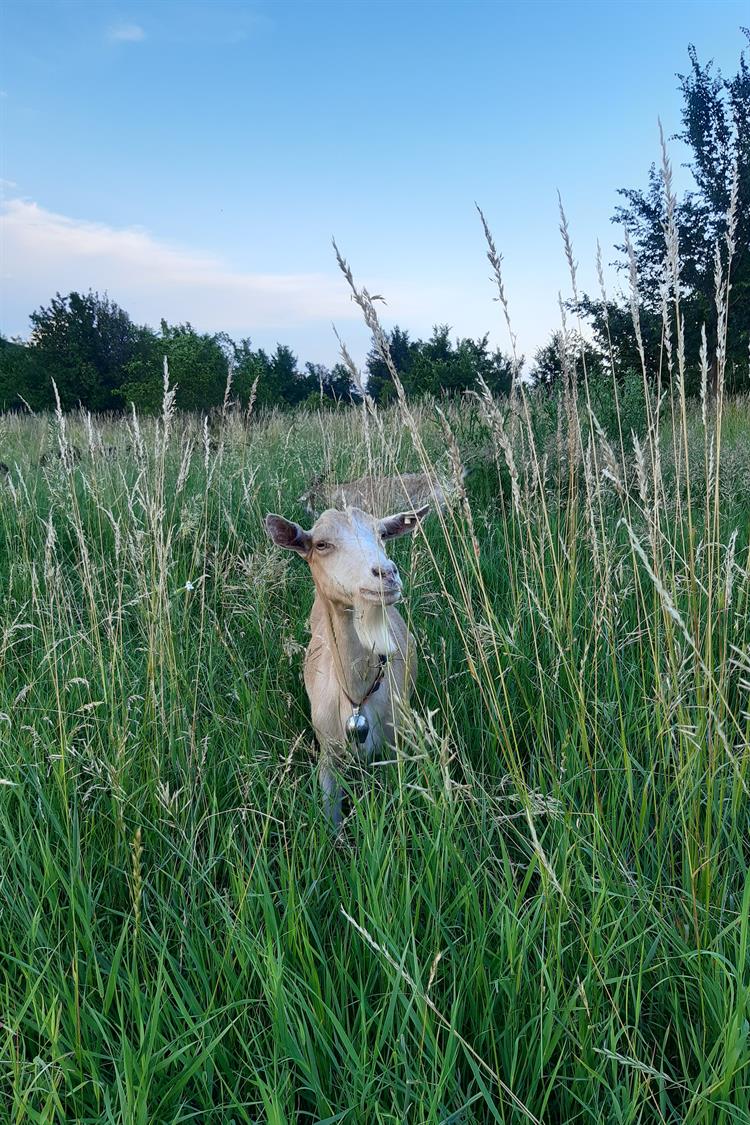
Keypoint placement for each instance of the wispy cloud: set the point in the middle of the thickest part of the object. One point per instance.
(126, 33)
(45, 252)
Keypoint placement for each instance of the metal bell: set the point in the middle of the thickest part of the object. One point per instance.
(358, 727)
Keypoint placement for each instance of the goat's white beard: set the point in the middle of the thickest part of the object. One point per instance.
(373, 629)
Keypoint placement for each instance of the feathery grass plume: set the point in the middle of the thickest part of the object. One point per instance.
(50, 543)
(496, 260)
(90, 434)
(569, 383)
(612, 469)
(251, 400)
(136, 437)
(167, 405)
(185, 463)
(354, 373)
(704, 376)
(635, 302)
(671, 234)
(608, 357)
(66, 457)
(672, 262)
(226, 401)
(591, 470)
(666, 333)
(380, 340)
(730, 567)
(136, 890)
(206, 437)
(500, 438)
(568, 245)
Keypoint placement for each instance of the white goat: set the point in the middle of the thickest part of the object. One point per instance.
(378, 494)
(360, 664)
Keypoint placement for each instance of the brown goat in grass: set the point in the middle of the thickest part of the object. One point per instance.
(376, 494)
(360, 664)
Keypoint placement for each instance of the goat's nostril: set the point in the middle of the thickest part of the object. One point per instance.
(385, 573)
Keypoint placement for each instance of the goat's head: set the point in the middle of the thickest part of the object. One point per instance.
(310, 499)
(346, 553)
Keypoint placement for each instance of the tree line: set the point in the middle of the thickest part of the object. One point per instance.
(99, 358)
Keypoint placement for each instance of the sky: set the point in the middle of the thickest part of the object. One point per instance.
(194, 159)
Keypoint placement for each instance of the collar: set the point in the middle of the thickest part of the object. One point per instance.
(383, 661)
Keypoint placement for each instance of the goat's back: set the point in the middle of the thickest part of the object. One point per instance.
(379, 495)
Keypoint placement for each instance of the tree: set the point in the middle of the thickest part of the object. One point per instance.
(716, 129)
(280, 383)
(198, 364)
(101, 360)
(22, 377)
(437, 366)
(379, 382)
(84, 342)
(440, 367)
(329, 385)
(564, 354)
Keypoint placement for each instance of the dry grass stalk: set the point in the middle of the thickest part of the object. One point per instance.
(496, 259)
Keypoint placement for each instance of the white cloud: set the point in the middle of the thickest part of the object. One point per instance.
(126, 33)
(45, 252)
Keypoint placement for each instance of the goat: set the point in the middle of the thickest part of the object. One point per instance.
(72, 456)
(376, 494)
(360, 664)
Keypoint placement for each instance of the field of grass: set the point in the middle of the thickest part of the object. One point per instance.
(538, 910)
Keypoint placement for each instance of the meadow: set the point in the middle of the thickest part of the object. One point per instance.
(537, 910)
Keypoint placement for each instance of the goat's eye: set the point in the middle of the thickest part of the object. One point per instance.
(321, 545)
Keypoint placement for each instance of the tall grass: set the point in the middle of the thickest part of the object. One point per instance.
(538, 910)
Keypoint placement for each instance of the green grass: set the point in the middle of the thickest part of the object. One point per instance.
(539, 911)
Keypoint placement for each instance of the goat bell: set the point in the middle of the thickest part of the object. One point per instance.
(358, 727)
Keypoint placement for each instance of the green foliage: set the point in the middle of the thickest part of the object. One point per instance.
(99, 359)
(82, 342)
(403, 350)
(565, 354)
(198, 365)
(437, 366)
(716, 130)
(21, 374)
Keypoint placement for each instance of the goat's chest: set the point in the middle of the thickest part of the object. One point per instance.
(378, 717)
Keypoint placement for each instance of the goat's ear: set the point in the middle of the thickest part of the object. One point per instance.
(289, 535)
(403, 523)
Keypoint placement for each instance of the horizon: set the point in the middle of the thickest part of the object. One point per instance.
(213, 199)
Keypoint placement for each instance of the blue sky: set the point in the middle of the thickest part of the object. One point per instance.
(194, 159)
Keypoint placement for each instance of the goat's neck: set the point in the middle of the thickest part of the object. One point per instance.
(358, 637)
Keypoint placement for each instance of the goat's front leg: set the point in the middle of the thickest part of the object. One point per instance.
(328, 778)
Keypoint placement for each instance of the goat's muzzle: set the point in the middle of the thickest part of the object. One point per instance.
(385, 593)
